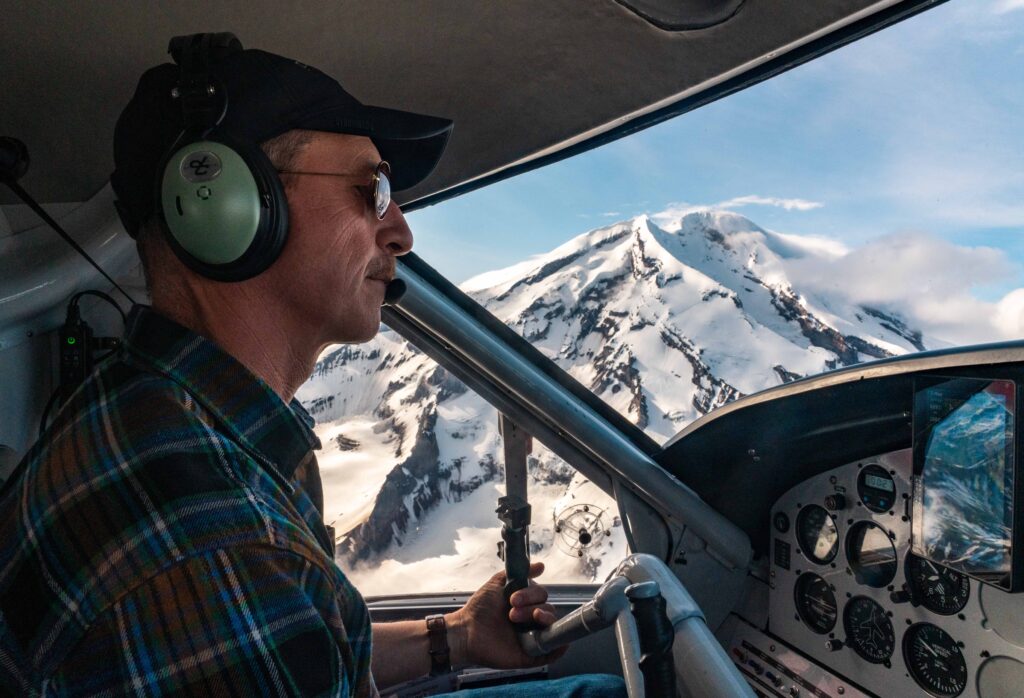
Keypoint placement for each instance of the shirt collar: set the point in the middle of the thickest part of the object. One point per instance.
(276, 434)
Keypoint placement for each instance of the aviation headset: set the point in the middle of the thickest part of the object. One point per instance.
(219, 198)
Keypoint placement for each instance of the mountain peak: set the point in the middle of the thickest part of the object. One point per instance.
(725, 222)
(642, 221)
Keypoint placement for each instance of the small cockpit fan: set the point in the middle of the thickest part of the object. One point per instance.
(581, 527)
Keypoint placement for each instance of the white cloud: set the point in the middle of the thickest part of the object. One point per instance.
(1003, 6)
(674, 211)
(929, 281)
(677, 209)
(611, 213)
(755, 200)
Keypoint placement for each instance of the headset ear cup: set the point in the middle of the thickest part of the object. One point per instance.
(223, 208)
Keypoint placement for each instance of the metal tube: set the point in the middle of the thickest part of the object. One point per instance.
(578, 422)
(702, 667)
(629, 649)
(596, 614)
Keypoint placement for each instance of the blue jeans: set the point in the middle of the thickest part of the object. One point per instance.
(585, 686)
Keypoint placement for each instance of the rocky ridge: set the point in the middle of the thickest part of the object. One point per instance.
(665, 323)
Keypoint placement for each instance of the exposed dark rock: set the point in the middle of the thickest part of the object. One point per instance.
(717, 237)
(421, 393)
(532, 315)
(345, 443)
(319, 405)
(846, 347)
(896, 326)
(784, 375)
(661, 280)
(721, 293)
(612, 238)
(553, 472)
(590, 311)
(459, 487)
(615, 368)
(345, 354)
(418, 476)
(545, 271)
(865, 347)
(640, 265)
(448, 386)
(393, 387)
(712, 392)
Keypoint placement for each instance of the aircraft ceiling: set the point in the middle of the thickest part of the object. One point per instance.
(522, 80)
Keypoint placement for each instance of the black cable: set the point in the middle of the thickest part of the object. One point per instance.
(23, 195)
(46, 410)
(102, 295)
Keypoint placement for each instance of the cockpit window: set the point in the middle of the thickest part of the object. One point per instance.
(864, 205)
(411, 464)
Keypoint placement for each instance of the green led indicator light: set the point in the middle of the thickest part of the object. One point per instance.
(71, 340)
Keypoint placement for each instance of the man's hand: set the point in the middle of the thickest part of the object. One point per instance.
(481, 632)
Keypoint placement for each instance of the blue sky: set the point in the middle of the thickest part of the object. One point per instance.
(917, 130)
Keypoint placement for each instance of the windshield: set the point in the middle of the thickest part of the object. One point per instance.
(862, 206)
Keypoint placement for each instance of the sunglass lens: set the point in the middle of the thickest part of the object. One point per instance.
(382, 192)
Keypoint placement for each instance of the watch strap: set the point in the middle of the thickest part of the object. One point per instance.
(440, 655)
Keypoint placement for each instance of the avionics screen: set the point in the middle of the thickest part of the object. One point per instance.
(964, 475)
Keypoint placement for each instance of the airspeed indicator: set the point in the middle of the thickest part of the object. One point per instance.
(935, 660)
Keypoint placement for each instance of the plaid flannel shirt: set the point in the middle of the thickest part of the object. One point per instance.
(163, 537)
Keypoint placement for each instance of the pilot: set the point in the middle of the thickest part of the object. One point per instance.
(166, 535)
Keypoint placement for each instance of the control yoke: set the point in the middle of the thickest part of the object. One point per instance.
(665, 645)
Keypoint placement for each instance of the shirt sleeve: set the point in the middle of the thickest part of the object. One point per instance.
(248, 621)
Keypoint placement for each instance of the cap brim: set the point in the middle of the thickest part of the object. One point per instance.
(411, 143)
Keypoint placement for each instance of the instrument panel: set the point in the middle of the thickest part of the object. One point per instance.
(846, 592)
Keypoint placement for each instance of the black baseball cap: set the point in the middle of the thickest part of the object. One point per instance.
(267, 95)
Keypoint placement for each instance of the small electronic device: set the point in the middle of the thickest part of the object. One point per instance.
(965, 505)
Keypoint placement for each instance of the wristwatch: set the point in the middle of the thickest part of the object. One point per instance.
(440, 656)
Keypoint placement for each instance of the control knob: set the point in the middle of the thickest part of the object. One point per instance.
(835, 502)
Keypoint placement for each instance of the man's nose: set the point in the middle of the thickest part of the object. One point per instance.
(394, 235)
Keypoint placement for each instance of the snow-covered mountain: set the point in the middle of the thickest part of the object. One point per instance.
(665, 323)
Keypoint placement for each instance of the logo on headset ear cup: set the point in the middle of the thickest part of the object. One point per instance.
(210, 202)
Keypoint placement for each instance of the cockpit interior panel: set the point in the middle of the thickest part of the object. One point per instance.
(852, 611)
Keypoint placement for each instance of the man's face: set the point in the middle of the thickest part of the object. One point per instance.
(339, 256)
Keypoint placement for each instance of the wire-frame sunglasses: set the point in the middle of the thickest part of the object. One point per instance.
(378, 192)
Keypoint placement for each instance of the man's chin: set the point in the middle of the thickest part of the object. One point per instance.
(353, 334)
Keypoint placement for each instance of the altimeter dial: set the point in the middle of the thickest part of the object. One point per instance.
(868, 630)
(935, 660)
(937, 588)
(815, 602)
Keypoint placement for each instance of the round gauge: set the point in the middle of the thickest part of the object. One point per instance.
(939, 589)
(868, 630)
(871, 554)
(815, 603)
(934, 660)
(876, 489)
(817, 534)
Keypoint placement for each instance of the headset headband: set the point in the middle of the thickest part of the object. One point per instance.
(203, 100)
